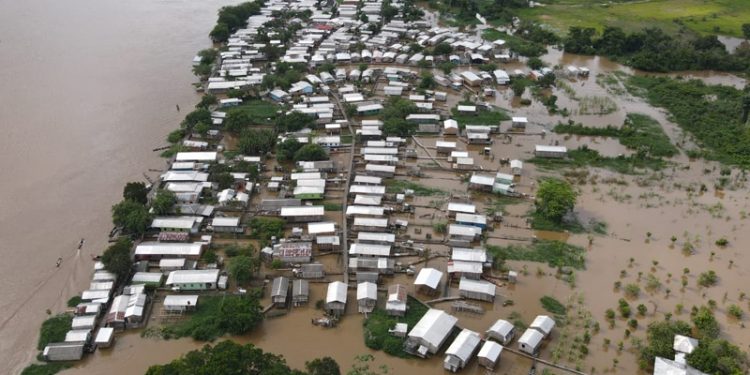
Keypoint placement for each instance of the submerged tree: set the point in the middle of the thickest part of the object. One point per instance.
(116, 258)
(555, 198)
(136, 191)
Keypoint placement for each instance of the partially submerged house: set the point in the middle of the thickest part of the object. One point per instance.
(502, 331)
(280, 290)
(428, 280)
(429, 334)
(477, 289)
(193, 279)
(336, 298)
(544, 324)
(367, 296)
(63, 351)
(556, 152)
(489, 354)
(530, 341)
(461, 350)
(396, 303)
(180, 303)
(300, 292)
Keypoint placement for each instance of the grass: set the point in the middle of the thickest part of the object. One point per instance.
(332, 206)
(539, 222)
(481, 117)
(553, 306)
(378, 323)
(585, 157)
(699, 16)
(398, 186)
(639, 132)
(54, 330)
(45, 369)
(554, 253)
(712, 114)
(499, 203)
(262, 112)
(492, 35)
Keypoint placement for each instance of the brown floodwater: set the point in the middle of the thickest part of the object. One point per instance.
(89, 89)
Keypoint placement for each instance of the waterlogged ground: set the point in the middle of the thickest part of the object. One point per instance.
(642, 213)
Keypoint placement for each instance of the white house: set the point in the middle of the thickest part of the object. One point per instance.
(429, 334)
(461, 350)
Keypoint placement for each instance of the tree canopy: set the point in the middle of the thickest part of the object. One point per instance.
(163, 202)
(136, 191)
(286, 150)
(294, 121)
(311, 152)
(197, 116)
(117, 259)
(323, 366)
(241, 268)
(256, 141)
(132, 216)
(394, 117)
(554, 199)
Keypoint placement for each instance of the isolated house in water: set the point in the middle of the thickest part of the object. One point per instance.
(336, 298)
(489, 355)
(502, 331)
(280, 291)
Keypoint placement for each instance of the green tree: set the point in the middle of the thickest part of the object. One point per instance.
(446, 66)
(225, 358)
(176, 136)
(256, 141)
(136, 191)
(241, 268)
(224, 180)
(660, 337)
(394, 117)
(518, 86)
(718, 357)
(237, 121)
(535, 63)
(442, 48)
(311, 152)
(131, 215)
(294, 121)
(220, 33)
(207, 100)
(163, 202)
(202, 128)
(554, 199)
(428, 81)
(323, 366)
(117, 259)
(706, 326)
(746, 30)
(240, 315)
(197, 116)
(286, 150)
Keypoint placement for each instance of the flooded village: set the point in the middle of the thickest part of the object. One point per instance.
(370, 181)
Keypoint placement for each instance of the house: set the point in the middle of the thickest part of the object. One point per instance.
(104, 337)
(193, 279)
(376, 237)
(372, 277)
(380, 265)
(393, 90)
(471, 270)
(171, 264)
(502, 331)
(300, 292)
(429, 334)
(471, 79)
(479, 221)
(369, 109)
(84, 322)
(367, 296)
(309, 192)
(504, 178)
(455, 207)
(369, 250)
(461, 350)
(530, 341)
(78, 335)
(477, 289)
(463, 233)
(478, 255)
(275, 205)
(368, 200)
(180, 302)
(311, 271)
(204, 156)
(328, 243)
(336, 298)
(159, 250)
(326, 227)
(127, 310)
(544, 324)
(450, 127)
(370, 224)
(489, 355)
(396, 303)
(278, 95)
(280, 290)
(428, 280)
(420, 118)
(519, 123)
(557, 152)
(387, 171)
(365, 210)
(63, 351)
(148, 278)
(303, 213)
(663, 366)
(478, 138)
(293, 252)
(227, 225)
(189, 224)
(502, 77)
(504, 189)
(444, 147)
(481, 182)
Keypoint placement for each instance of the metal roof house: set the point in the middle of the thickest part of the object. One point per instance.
(503, 331)
(159, 250)
(376, 237)
(489, 355)
(293, 252)
(193, 279)
(104, 337)
(367, 296)
(227, 225)
(369, 249)
(78, 335)
(477, 289)
(180, 302)
(428, 280)
(543, 151)
(189, 224)
(312, 271)
(461, 350)
(336, 298)
(471, 270)
(63, 351)
(479, 221)
(429, 334)
(467, 233)
(544, 324)
(370, 224)
(326, 227)
(455, 207)
(396, 303)
(84, 322)
(148, 278)
(280, 290)
(530, 341)
(380, 265)
(516, 167)
(300, 292)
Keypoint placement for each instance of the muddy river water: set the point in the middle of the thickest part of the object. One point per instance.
(91, 89)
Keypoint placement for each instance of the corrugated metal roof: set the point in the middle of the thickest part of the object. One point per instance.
(434, 327)
(367, 189)
(490, 350)
(463, 230)
(376, 237)
(365, 210)
(469, 255)
(370, 222)
(464, 267)
(369, 249)
(464, 345)
(302, 211)
(501, 327)
(471, 218)
(367, 290)
(336, 292)
(192, 276)
(429, 277)
(225, 222)
(462, 207)
(531, 338)
(181, 300)
(477, 286)
(321, 227)
(543, 148)
(543, 323)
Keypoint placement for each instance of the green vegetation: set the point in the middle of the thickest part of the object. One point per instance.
(398, 186)
(286, 150)
(294, 121)
(554, 200)
(216, 316)
(714, 115)
(242, 268)
(378, 323)
(233, 17)
(235, 250)
(585, 157)
(74, 301)
(329, 206)
(311, 152)
(554, 253)
(226, 358)
(263, 228)
(718, 357)
(256, 141)
(46, 368)
(707, 279)
(322, 366)
(660, 336)
(671, 15)
(54, 330)
(481, 117)
(136, 192)
(394, 117)
(132, 216)
(116, 258)
(163, 202)
(254, 112)
(553, 306)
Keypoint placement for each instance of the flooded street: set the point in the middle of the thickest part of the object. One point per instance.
(89, 89)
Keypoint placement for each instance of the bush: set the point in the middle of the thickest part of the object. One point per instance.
(624, 308)
(708, 279)
(660, 337)
(218, 315)
(735, 311)
(54, 330)
(722, 242)
(632, 290)
(553, 306)
(642, 310)
(705, 323)
(74, 301)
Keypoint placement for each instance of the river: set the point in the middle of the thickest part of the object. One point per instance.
(89, 89)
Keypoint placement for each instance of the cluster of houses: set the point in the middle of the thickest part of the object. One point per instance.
(436, 326)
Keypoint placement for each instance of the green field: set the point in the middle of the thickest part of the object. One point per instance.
(701, 16)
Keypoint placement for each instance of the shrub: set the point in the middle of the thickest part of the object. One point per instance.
(632, 290)
(735, 311)
(707, 279)
(722, 242)
(624, 308)
(642, 310)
